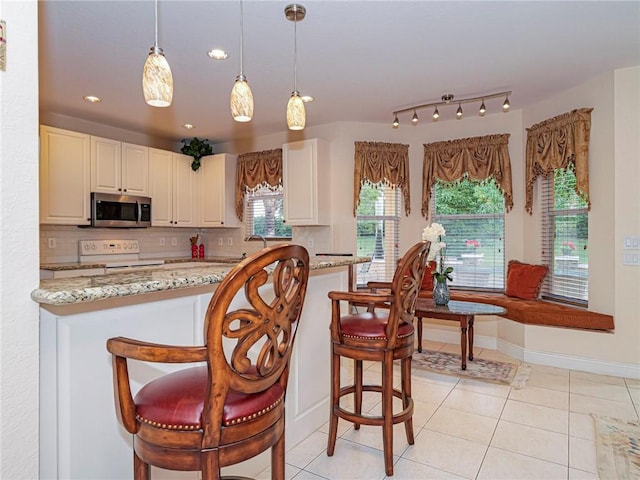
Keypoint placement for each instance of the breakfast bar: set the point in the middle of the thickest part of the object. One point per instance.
(79, 435)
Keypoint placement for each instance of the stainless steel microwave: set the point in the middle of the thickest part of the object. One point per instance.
(112, 210)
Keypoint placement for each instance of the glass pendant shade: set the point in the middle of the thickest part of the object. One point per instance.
(241, 100)
(157, 81)
(296, 116)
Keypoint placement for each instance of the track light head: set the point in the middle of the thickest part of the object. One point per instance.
(506, 105)
(436, 114)
(414, 119)
(459, 112)
(396, 122)
(483, 109)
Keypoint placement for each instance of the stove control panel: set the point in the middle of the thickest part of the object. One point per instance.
(108, 247)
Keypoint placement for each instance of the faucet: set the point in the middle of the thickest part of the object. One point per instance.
(260, 237)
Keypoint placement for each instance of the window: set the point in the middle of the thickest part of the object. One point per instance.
(472, 214)
(564, 238)
(263, 214)
(378, 224)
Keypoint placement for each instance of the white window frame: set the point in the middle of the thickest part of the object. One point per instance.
(385, 255)
(567, 280)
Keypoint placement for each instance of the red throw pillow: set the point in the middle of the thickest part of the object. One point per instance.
(427, 280)
(524, 280)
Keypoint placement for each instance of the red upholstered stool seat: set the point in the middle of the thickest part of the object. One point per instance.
(371, 325)
(176, 400)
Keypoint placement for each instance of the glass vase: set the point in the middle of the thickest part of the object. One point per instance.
(441, 293)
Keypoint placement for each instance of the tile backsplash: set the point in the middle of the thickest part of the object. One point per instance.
(59, 244)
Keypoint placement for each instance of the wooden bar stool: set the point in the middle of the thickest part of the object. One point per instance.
(231, 407)
(382, 336)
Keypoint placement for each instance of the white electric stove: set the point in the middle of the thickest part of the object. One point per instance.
(118, 255)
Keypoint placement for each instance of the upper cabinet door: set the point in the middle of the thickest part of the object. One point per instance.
(186, 192)
(306, 191)
(106, 165)
(65, 161)
(217, 191)
(161, 187)
(135, 170)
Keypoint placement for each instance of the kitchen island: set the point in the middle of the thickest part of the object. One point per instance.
(80, 436)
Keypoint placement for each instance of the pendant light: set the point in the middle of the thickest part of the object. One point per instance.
(241, 97)
(157, 81)
(296, 116)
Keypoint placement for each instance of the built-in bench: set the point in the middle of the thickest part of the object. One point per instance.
(536, 312)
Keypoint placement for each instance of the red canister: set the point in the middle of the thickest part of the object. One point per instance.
(194, 251)
(202, 250)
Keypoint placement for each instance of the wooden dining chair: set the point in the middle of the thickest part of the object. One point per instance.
(230, 407)
(383, 333)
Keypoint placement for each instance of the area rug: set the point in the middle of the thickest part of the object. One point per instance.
(513, 374)
(617, 448)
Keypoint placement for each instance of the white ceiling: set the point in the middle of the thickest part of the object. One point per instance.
(360, 60)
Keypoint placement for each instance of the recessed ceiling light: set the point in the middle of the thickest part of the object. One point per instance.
(218, 54)
(188, 126)
(307, 98)
(92, 99)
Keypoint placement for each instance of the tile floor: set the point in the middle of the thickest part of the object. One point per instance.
(466, 429)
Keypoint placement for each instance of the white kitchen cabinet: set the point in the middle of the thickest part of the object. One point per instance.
(174, 189)
(217, 191)
(65, 179)
(306, 182)
(120, 168)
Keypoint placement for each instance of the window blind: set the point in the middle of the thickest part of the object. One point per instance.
(472, 214)
(378, 225)
(564, 239)
(263, 213)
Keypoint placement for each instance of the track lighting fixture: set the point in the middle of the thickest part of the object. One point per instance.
(241, 100)
(296, 115)
(157, 81)
(448, 99)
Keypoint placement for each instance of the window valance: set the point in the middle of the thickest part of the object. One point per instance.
(381, 163)
(257, 169)
(559, 142)
(477, 158)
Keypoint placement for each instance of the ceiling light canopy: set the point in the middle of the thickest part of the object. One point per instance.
(296, 115)
(241, 100)
(157, 81)
(448, 99)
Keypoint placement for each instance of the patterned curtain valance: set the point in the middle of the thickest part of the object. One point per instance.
(386, 163)
(559, 142)
(257, 169)
(478, 158)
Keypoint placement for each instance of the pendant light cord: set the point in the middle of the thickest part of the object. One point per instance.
(156, 11)
(241, 36)
(295, 51)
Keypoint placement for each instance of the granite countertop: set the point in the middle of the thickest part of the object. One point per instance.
(68, 291)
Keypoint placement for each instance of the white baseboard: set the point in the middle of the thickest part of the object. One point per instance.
(602, 367)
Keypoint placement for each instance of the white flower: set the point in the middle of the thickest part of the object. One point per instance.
(433, 232)
(434, 248)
